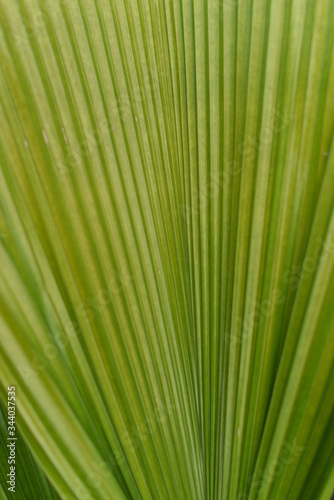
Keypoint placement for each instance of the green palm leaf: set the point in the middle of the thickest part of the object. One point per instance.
(31, 480)
(167, 237)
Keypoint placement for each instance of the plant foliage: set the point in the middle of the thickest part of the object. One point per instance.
(167, 248)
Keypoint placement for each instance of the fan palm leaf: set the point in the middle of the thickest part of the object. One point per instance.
(167, 241)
